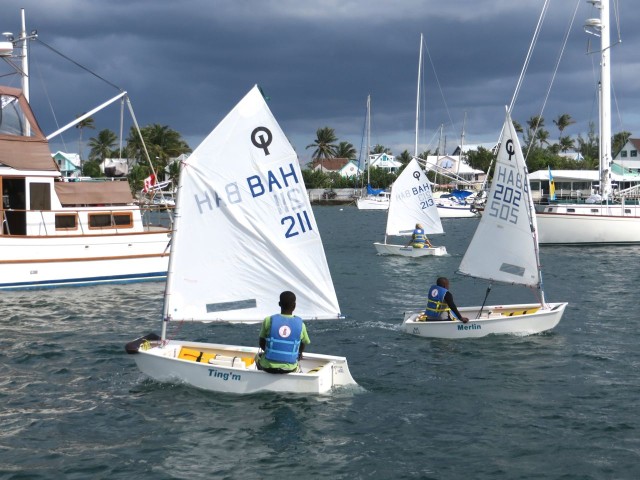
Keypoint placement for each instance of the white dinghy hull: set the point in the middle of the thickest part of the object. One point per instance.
(231, 369)
(521, 320)
(388, 249)
(456, 211)
(373, 203)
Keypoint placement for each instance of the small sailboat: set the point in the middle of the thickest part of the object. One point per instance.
(376, 198)
(503, 249)
(411, 203)
(245, 232)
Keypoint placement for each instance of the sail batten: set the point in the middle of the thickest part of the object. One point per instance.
(245, 230)
(501, 248)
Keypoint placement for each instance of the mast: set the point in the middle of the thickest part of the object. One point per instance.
(464, 122)
(25, 66)
(25, 60)
(600, 27)
(368, 138)
(418, 96)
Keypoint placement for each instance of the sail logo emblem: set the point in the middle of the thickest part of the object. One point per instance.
(262, 141)
(284, 331)
(509, 149)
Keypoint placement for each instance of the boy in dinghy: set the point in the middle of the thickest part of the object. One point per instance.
(283, 337)
(440, 304)
(418, 238)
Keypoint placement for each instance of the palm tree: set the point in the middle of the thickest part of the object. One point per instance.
(518, 127)
(542, 136)
(563, 121)
(404, 157)
(81, 125)
(162, 143)
(534, 125)
(346, 150)
(102, 145)
(380, 149)
(566, 143)
(619, 140)
(425, 155)
(589, 147)
(324, 145)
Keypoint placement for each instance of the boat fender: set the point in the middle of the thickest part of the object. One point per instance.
(134, 346)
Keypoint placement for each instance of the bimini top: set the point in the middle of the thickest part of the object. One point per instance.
(78, 194)
(23, 146)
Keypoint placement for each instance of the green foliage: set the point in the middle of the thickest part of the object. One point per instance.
(404, 157)
(137, 175)
(380, 178)
(480, 158)
(162, 143)
(102, 145)
(91, 168)
(380, 149)
(619, 141)
(315, 178)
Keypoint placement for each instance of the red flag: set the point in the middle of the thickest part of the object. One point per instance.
(149, 182)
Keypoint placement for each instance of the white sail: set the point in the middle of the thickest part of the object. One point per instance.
(412, 202)
(245, 230)
(503, 248)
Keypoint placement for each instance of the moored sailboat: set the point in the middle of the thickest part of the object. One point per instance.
(376, 198)
(612, 220)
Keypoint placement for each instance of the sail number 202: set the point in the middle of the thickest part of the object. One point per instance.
(505, 202)
(296, 224)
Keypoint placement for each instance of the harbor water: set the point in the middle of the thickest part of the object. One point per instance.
(560, 405)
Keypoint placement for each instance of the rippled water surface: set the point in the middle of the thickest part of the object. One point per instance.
(558, 405)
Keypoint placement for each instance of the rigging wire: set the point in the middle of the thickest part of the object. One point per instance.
(438, 83)
(553, 77)
(527, 59)
(79, 65)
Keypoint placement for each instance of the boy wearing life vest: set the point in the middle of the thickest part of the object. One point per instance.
(419, 239)
(283, 337)
(440, 304)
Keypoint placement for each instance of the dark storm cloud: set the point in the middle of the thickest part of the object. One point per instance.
(185, 64)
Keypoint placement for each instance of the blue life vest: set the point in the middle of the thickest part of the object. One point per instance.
(283, 342)
(418, 236)
(418, 239)
(436, 306)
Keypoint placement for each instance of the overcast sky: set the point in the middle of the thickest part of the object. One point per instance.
(186, 64)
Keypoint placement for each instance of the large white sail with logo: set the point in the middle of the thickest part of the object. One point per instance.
(245, 230)
(504, 247)
(412, 202)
